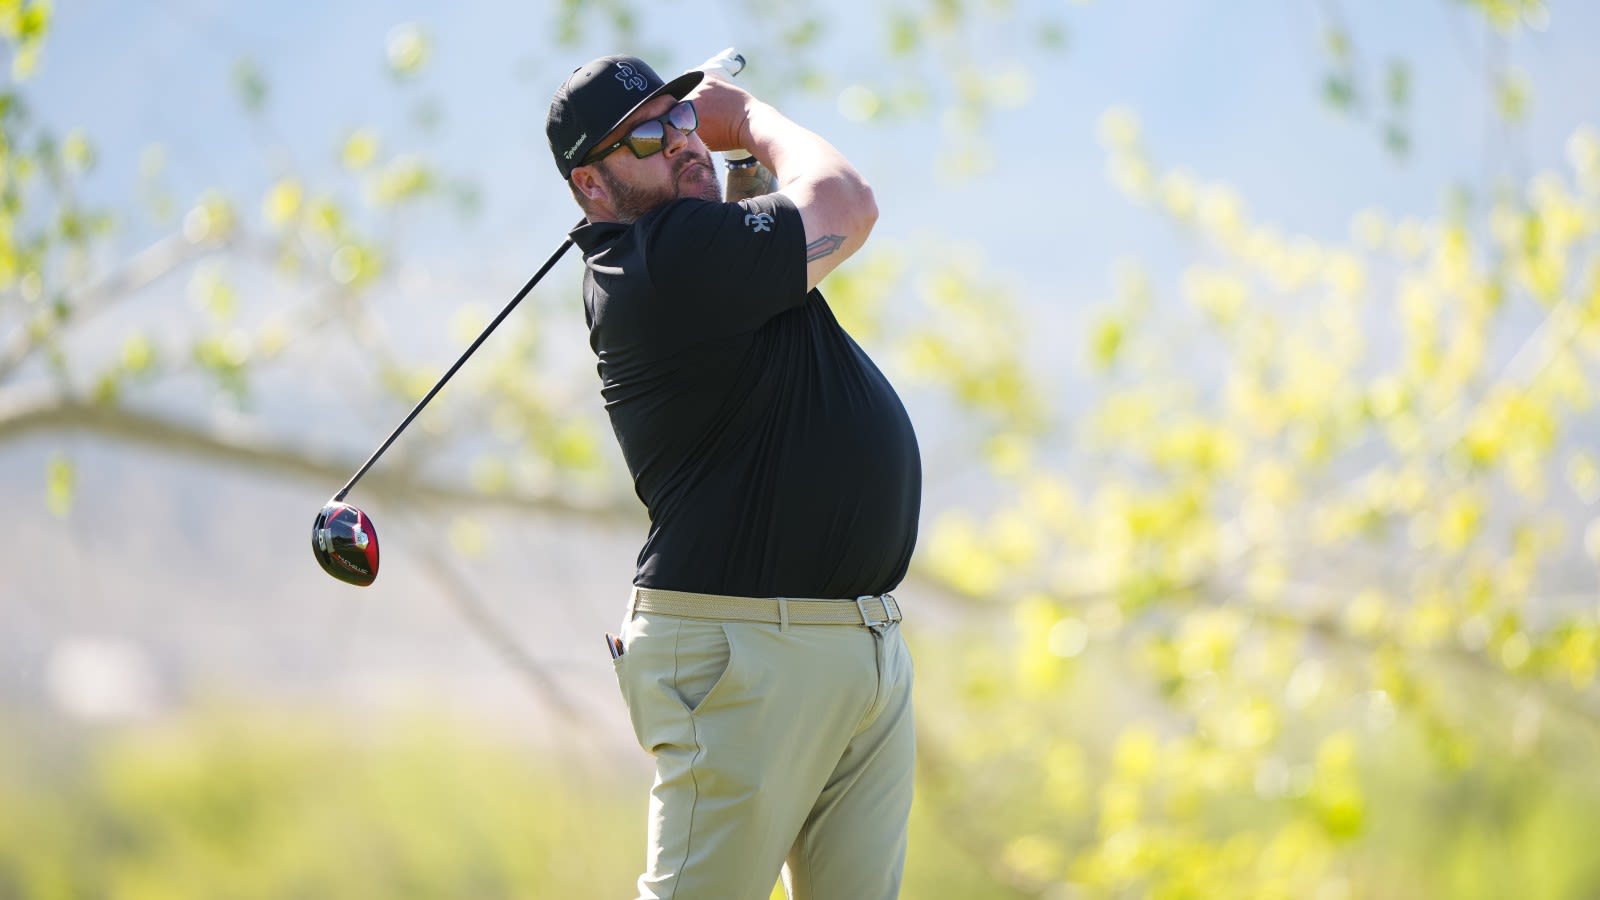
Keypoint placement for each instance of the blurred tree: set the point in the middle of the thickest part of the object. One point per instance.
(1299, 606)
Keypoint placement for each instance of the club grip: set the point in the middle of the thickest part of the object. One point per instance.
(728, 63)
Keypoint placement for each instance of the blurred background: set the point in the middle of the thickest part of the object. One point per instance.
(1251, 346)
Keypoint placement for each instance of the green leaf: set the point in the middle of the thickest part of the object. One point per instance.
(1337, 43)
(251, 84)
(212, 292)
(77, 153)
(107, 389)
(283, 202)
(60, 478)
(1052, 35)
(1397, 140)
(1106, 342)
(491, 475)
(946, 14)
(803, 34)
(1397, 84)
(25, 62)
(211, 218)
(573, 447)
(408, 50)
(32, 21)
(1513, 95)
(905, 34)
(624, 21)
(360, 149)
(405, 178)
(355, 264)
(72, 226)
(1339, 92)
(138, 354)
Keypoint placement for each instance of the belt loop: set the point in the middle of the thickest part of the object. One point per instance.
(783, 613)
(633, 603)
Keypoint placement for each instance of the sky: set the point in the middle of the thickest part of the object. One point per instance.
(1225, 88)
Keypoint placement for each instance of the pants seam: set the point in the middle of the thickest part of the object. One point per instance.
(804, 864)
(694, 782)
(879, 700)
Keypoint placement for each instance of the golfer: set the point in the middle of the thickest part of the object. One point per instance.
(761, 659)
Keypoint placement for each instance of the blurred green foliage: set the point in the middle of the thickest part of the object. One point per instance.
(238, 802)
(1077, 781)
(234, 802)
(270, 804)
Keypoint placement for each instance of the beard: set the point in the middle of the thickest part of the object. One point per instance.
(630, 201)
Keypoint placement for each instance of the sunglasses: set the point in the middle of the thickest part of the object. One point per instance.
(650, 136)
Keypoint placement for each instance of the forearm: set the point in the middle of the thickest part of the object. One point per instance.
(798, 156)
(835, 201)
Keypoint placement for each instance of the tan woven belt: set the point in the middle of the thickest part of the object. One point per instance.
(871, 611)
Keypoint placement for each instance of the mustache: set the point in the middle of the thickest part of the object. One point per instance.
(692, 160)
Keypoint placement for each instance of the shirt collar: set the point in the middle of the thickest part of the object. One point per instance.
(591, 235)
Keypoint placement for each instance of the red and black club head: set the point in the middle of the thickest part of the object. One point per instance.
(346, 544)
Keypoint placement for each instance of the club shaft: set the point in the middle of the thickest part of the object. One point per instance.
(548, 265)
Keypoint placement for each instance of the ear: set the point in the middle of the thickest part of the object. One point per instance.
(586, 181)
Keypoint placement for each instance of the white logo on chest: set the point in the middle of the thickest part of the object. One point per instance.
(759, 222)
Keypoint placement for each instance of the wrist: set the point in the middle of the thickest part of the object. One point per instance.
(742, 134)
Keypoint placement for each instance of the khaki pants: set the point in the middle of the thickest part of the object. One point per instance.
(776, 748)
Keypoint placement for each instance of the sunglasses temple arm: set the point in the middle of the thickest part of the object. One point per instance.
(548, 265)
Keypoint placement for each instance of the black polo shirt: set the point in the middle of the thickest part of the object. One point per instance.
(774, 458)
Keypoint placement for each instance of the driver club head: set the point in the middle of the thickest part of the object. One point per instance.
(346, 544)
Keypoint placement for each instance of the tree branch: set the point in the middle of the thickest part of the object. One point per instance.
(1326, 625)
(964, 824)
(53, 412)
(139, 271)
(493, 631)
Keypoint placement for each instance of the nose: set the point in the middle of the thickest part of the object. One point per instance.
(676, 141)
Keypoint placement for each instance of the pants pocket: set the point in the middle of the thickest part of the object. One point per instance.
(672, 668)
(702, 658)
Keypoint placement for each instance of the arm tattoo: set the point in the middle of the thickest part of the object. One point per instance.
(823, 246)
(746, 182)
(746, 192)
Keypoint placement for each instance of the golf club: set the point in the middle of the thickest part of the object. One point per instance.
(343, 537)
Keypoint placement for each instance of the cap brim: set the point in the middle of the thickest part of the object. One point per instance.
(678, 87)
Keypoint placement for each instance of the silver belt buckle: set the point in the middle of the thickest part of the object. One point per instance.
(876, 625)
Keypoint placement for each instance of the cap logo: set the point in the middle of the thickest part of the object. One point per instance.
(631, 79)
(576, 144)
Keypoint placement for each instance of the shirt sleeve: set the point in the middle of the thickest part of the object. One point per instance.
(726, 268)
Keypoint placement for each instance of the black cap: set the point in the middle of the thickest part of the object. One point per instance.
(597, 97)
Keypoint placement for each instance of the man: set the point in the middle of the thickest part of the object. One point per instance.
(761, 661)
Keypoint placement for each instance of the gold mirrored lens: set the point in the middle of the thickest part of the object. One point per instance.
(648, 138)
(682, 116)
